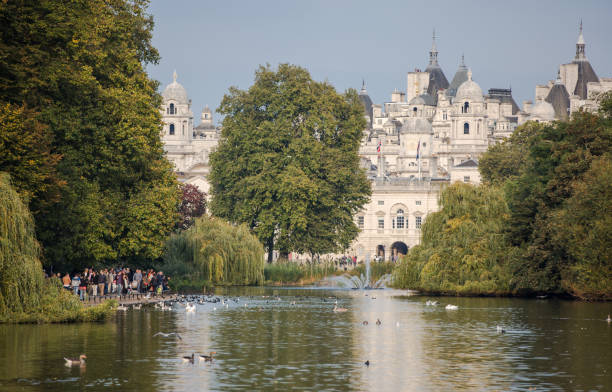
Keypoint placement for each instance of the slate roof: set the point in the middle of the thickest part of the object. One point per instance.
(586, 74)
(468, 163)
(505, 96)
(437, 81)
(559, 99)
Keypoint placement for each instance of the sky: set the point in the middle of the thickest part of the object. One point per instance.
(213, 45)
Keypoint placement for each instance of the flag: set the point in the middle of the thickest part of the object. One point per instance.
(418, 149)
(379, 147)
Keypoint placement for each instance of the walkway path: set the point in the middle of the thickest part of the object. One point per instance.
(130, 299)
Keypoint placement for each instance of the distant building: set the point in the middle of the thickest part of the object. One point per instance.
(186, 146)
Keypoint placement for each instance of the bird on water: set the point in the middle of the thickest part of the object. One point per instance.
(189, 359)
(80, 361)
(367, 363)
(378, 322)
(164, 334)
(207, 358)
(337, 309)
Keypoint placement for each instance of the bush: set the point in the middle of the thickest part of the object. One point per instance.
(286, 272)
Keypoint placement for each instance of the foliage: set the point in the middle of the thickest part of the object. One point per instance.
(79, 69)
(216, 252)
(287, 163)
(25, 295)
(462, 248)
(193, 205)
(287, 272)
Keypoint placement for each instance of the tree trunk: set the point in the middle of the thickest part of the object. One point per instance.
(270, 246)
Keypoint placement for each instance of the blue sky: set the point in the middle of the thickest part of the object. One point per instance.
(217, 44)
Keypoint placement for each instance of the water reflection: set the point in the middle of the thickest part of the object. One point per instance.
(273, 344)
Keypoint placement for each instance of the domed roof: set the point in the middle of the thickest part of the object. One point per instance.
(416, 125)
(417, 101)
(175, 91)
(542, 111)
(469, 90)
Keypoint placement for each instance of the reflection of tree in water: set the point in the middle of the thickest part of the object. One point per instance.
(302, 346)
(118, 351)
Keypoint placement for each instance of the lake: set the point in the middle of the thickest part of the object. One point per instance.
(272, 344)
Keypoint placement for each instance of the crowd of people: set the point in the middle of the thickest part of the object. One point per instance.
(119, 281)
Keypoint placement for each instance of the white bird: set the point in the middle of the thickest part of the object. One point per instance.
(337, 309)
(609, 320)
(137, 307)
(168, 334)
(452, 307)
(397, 324)
(500, 329)
(80, 361)
(190, 308)
(122, 308)
(214, 308)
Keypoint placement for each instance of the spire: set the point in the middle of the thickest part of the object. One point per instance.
(470, 74)
(558, 81)
(363, 87)
(433, 53)
(174, 76)
(580, 55)
(462, 60)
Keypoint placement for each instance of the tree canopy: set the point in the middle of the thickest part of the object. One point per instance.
(72, 76)
(287, 164)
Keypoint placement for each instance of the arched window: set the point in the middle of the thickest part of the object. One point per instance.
(172, 111)
(466, 107)
(414, 109)
(466, 129)
(171, 129)
(400, 219)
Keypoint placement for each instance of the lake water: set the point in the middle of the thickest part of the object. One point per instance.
(273, 345)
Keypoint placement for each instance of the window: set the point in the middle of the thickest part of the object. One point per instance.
(424, 144)
(381, 223)
(417, 222)
(466, 179)
(183, 130)
(172, 110)
(171, 129)
(444, 116)
(381, 202)
(400, 219)
(466, 129)
(360, 222)
(418, 202)
(466, 107)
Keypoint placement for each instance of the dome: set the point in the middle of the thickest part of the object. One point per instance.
(542, 111)
(175, 91)
(469, 90)
(423, 99)
(417, 125)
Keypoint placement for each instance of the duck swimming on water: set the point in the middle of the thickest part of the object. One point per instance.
(207, 358)
(80, 361)
(189, 359)
(337, 309)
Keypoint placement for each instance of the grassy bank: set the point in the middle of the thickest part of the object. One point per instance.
(291, 273)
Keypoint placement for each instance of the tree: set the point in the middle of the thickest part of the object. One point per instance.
(193, 205)
(79, 66)
(287, 162)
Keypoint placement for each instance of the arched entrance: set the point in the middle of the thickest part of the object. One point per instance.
(380, 252)
(398, 249)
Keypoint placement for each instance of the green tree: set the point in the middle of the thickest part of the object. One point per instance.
(79, 66)
(287, 164)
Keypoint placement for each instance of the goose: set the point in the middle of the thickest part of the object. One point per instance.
(500, 329)
(207, 358)
(122, 308)
(378, 322)
(80, 361)
(190, 308)
(164, 334)
(337, 309)
(451, 307)
(189, 359)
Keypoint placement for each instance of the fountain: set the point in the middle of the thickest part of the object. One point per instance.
(361, 282)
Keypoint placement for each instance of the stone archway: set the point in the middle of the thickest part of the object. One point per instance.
(380, 252)
(398, 249)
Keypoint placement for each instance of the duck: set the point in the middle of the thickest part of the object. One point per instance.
(367, 363)
(451, 307)
(378, 322)
(207, 358)
(189, 359)
(365, 322)
(80, 361)
(190, 308)
(337, 309)
(500, 329)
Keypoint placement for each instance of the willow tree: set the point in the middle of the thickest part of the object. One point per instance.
(287, 164)
(21, 277)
